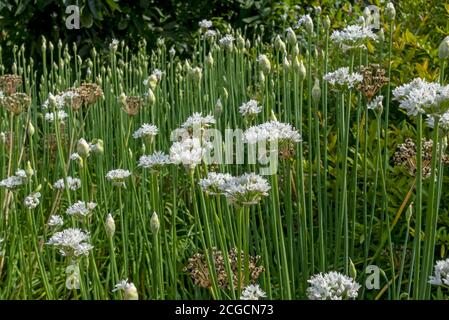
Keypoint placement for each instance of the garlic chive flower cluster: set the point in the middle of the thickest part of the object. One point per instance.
(146, 131)
(118, 177)
(353, 36)
(332, 286)
(72, 184)
(250, 109)
(81, 209)
(16, 181)
(342, 79)
(71, 242)
(441, 274)
(188, 152)
(154, 162)
(252, 292)
(420, 96)
(244, 190)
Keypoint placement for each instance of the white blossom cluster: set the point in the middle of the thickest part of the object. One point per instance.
(81, 209)
(250, 108)
(15, 181)
(443, 121)
(247, 189)
(118, 176)
(441, 276)
(72, 184)
(71, 242)
(55, 221)
(332, 286)
(205, 24)
(227, 41)
(154, 161)
(252, 292)
(58, 101)
(146, 131)
(342, 78)
(420, 96)
(376, 104)
(214, 182)
(61, 115)
(353, 36)
(188, 152)
(32, 201)
(197, 120)
(272, 131)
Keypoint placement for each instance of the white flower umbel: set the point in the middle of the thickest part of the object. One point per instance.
(215, 183)
(72, 184)
(443, 121)
(376, 104)
(441, 276)
(71, 242)
(247, 189)
(188, 152)
(353, 36)
(250, 108)
(205, 24)
(210, 34)
(118, 177)
(342, 79)
(197, 120)
(332, 286)
(154, 162)
(61, 115)
(16, 181)
(147, 131)
(55, 221)
(420, 96)
(272, 131)
(252, 292)
(81, 209)
(128, 288)
(54, 101)
(32, 201)
(227, 41)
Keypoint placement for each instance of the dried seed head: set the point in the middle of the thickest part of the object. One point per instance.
(132, 105)
(373, 80)
(9, 83)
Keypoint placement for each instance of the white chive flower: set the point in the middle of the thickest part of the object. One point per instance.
(205, 24)
(215, 183)
(154, 161)
(81, 209)
(210, 34)
(443, 121)
(272, 131)
(16, 181)
(376, 104)
(250, 108)
(332, 286)
(118, 177)
(341, 78)
(252, 292)
(71, 242)
(227, 41)
(147, 131)
(188, 152)
(353, 36)
(55, 221)
(196, 120)
(441, 273)
(61, 115)
(32, 201)
(72, 184)
(247, 189)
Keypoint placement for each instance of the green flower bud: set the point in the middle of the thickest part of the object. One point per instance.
(302, 72)
(279, 44)
(390, 12)
(443, 49)
(326, 23)
(29, 170)
(30, 129)
(83, 148)
(131, 292)
(264, 63)
(291, 37)
(110, 226)
(316, 92)
(154, 223)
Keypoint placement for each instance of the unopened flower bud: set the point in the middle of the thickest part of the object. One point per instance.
(29, 170)
(326, 23)
(302, 72)
(151, 97)
(291, 37)
(30, 129)
(154, 223)
(279, 44)
(209, 60)
(264, 63)
(316, 92)
(390, 12)
(443, 49)
(131, 292)
(82, 148)
(110, 226)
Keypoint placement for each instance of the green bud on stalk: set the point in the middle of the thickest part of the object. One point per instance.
(154, 223)
(443, 49)
(390, 12)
